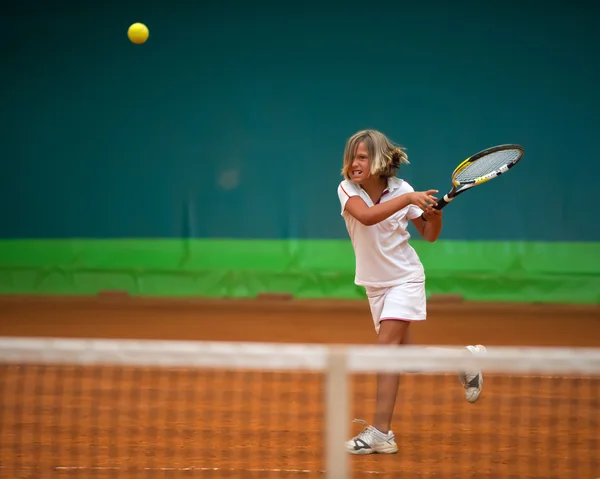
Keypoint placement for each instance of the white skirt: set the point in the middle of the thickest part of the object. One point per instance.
(405, 302)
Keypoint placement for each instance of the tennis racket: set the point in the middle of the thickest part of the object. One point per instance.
(481, 167)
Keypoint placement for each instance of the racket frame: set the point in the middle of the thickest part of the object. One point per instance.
(459, 187)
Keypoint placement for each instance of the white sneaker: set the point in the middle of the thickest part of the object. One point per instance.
(371, 441)
(472, 381)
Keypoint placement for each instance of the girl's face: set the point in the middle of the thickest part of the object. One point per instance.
(360, 166)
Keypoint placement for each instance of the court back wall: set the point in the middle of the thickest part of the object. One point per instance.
(231, 121)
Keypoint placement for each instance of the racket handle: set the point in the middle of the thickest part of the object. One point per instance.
(442, 202)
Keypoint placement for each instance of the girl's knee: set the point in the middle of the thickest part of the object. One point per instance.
(392, 331)
(389, 340)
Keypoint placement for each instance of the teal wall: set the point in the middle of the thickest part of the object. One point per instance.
(231, 120)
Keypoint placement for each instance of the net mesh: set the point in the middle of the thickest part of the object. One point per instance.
(127, 409)
(525, 427)
(153, 422)
(488, 164)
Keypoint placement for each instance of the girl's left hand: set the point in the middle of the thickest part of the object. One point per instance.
(432, 214)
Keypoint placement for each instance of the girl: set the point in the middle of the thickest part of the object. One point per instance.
(376, 206)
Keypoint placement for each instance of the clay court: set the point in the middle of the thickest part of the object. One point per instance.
(175, 423)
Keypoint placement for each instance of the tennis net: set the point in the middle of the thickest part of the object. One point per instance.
(174, 409)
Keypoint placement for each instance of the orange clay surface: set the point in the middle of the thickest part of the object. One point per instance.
(111, 422)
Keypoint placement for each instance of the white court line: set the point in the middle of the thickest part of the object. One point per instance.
(181, 469)
(198, 469)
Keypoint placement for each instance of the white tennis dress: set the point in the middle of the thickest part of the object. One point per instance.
(386, 265)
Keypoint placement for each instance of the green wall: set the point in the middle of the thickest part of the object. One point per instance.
(491, 271)
(206, 161)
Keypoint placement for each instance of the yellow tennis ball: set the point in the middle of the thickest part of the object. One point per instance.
(138, 33)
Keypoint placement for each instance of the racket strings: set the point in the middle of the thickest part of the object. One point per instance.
(487, 164)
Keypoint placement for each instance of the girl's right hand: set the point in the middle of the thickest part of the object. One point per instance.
(423, 199)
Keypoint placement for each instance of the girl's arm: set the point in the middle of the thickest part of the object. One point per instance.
(371, 215)
(429, 230)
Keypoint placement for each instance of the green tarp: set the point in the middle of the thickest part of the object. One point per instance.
(498, 271)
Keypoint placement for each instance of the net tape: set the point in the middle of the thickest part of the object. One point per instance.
(309, 357)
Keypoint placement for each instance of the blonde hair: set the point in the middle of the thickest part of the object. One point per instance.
(385, 157)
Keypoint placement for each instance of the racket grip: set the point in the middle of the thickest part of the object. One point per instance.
(442, 202)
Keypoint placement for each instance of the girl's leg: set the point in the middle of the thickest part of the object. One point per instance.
(391, 332)
(471, 381)
(407, 338)
(398, 332)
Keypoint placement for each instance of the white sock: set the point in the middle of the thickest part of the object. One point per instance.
(382, 435)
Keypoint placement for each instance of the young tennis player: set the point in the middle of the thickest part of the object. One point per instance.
(377, 206)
